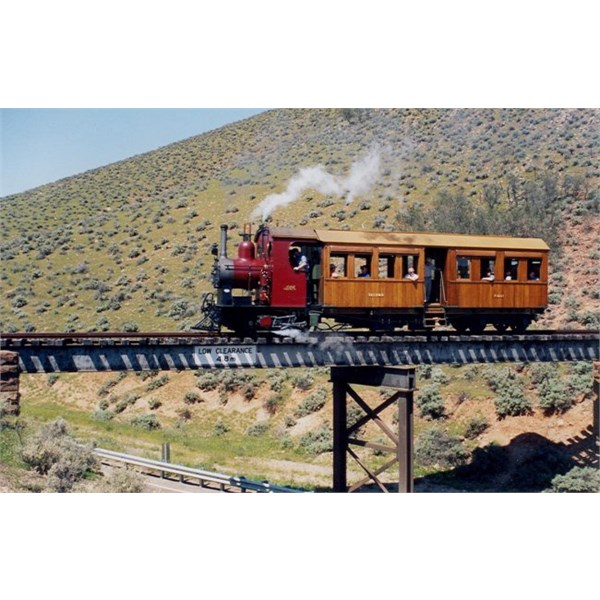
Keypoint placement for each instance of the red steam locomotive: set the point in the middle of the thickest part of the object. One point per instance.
(379, 281)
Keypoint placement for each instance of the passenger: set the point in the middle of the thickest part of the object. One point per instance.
(533, 277)
(429, 270)
(508, 277)
(363, 271)
(411, 275)
(489, 277)
(299, 261)
(333, 272)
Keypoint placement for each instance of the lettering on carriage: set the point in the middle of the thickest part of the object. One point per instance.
(375, 294)
(289, 288)
(498, 295)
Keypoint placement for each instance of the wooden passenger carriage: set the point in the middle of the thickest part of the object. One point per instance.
(477, 280)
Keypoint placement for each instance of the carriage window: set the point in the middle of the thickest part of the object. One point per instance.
(511, 269)
(387, 263)
(362, 263)
(409, 262)
(487, 267)
(534, 267)
(463, 267)
(338, 265)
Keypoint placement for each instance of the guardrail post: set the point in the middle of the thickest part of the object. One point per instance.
(165, 456)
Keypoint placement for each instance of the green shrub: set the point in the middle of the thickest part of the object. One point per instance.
(220, 428)
(554, 396)
(512, 404)
(273, 403)
(154, 403)
(435, 447)
(318, 441)
(312, 403)
(578, 479)
(157, 383)
(476, 426)
(103, 415)
(192, 398)
(207, 381)
(257, 429)
(122, 481)
(303, 381)
(148, 422)
(53, 452)
(430, 402)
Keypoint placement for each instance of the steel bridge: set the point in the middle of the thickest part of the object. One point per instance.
(354, 359)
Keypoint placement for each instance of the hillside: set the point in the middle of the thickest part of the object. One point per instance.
(126, 247)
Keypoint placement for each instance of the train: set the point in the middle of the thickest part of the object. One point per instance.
(378, 281)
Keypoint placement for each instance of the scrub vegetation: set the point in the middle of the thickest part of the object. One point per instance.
(127, 248)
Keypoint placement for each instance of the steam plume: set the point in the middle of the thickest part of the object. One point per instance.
(363, 175)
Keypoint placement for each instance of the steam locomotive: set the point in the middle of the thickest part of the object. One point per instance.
(379, 281)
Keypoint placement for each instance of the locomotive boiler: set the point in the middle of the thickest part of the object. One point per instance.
(378, 281)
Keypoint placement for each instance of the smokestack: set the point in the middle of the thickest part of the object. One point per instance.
(223, 241)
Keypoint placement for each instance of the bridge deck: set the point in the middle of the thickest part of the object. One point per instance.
(177, 351)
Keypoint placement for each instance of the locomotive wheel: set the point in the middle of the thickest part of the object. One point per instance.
(521, 325)
(477, 325)
(460, 326)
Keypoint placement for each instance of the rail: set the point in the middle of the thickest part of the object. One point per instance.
(187, 473)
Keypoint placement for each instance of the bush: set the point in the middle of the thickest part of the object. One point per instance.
(312, 403)
(53, 452)
(476, 426)
(157, 383)
(430, 402)
(578, 479)
(207, 381)
(257, 429)
(272, 403)
(148, 422)
(192, 398)
(154, 403)
(303, 382)
(122, 481)
(554, 396)
(220, 428)
(512, 404)
(435, 447)
(318, 441)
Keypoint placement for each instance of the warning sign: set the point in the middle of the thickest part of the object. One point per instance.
(210, 356)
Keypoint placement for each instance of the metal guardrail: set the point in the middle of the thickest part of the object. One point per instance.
(185, 473)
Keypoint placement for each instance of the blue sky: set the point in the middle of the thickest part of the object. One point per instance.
(39, 146)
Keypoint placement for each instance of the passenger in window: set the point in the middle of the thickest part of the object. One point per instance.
(299, 261)
(333, 272)
(489, 277)
(411, 275)
(508, 276)
(533, 277)
(364, 272)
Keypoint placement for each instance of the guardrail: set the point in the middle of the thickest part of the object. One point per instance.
(187, 473)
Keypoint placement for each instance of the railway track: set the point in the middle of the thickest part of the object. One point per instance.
(19, 339)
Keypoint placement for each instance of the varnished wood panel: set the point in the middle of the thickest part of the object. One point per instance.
(372, 293)
(498, 294)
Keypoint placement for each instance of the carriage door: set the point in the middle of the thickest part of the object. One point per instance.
(439, 281)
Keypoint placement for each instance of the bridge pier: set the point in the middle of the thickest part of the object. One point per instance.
(345, 436)
(9, 382)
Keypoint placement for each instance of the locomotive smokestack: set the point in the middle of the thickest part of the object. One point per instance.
(223, 241)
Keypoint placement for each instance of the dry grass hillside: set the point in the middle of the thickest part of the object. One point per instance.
(125, 247)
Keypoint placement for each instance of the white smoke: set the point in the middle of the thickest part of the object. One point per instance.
(364, 173)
